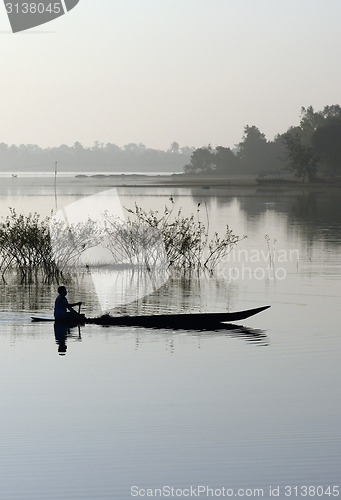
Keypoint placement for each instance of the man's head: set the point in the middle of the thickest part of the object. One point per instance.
(62, 290)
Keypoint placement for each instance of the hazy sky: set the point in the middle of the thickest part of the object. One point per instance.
(157, 71)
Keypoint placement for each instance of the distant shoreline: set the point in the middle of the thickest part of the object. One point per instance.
(108, 179)
(207, 182)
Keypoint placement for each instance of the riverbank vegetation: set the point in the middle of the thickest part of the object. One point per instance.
(307, 150)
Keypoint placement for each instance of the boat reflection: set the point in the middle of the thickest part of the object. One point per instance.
(168, 335)
(252, 335)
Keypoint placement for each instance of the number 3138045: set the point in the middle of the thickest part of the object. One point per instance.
(312, 491)
(33, 8)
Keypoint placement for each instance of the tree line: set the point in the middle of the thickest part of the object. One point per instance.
(312, 147)
(100, 156)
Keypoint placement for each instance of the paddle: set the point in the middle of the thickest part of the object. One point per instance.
(79, 310)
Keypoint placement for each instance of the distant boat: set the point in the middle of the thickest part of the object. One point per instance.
(14, 175)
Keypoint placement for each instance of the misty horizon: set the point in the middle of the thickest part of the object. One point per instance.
(194, 72)
(305, 150)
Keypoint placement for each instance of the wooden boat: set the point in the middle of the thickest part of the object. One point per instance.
(182, 321)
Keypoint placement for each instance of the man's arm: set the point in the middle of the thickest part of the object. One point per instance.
(69, 306)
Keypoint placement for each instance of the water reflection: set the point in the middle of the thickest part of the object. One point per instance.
(315, 213)
(169, 335)
(191, 292)
(251, 335)
(230, 330)
(259, 416)
(319, 215)
(17, 296)
(61, 333)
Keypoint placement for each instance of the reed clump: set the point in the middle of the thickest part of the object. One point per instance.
(31, 246)
(187, 241)
(25, 246)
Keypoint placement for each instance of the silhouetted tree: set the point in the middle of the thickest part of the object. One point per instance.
(226, 161)
(306, 147)
(312, 120)
(309, 122)
(174, 147)
(302, 159)
(253, 150)
(202, 161)
(326, 141)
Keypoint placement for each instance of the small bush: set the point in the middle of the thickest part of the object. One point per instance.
(186, 239)
(25, 246)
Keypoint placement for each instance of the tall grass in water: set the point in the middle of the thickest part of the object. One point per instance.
(186, 238)
(25, 246)
(32, 246)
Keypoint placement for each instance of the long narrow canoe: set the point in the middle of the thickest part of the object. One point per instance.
(183, 321)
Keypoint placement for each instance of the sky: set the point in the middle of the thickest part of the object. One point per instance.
(157, 71)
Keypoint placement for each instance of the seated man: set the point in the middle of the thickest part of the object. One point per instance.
(61, 306)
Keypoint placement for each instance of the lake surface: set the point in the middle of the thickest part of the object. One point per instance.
(252, 407)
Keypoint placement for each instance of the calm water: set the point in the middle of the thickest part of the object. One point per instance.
(251, 407)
